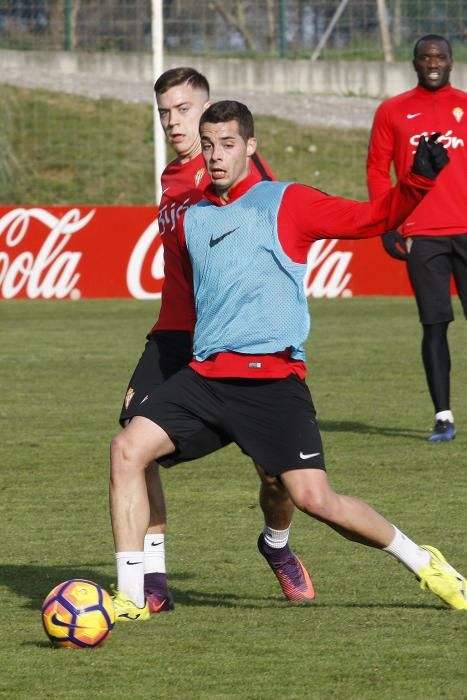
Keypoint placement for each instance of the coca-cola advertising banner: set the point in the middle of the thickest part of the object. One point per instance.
(107, 252)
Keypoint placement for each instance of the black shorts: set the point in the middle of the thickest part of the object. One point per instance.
(165, 353)
(272, 421)
(431, 263)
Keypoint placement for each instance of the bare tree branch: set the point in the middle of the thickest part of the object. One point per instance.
(237, 20)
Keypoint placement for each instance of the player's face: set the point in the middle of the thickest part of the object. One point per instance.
(180, 109)
(433, 64)
(226, 153)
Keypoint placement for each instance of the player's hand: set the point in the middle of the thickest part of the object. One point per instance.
(394, 244)
(430, 157)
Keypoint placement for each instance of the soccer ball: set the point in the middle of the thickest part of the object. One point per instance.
(78, 614)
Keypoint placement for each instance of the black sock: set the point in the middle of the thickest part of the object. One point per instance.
(437, 363)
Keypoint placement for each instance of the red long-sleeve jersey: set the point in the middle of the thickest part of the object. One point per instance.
(398, 126)
(183, 184)
(306, 215)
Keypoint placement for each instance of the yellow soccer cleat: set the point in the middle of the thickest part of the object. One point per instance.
(443, 580)
(127, 611)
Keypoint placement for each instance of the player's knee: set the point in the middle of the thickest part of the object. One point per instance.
(123, 454)
(130, 453)
(318, 504)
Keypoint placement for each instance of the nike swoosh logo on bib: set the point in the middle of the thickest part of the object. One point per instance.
(215, 241)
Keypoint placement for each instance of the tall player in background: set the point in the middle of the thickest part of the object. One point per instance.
(182, 95)
(434, 237)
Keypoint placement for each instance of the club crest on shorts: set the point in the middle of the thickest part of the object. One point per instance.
(129, 395)
(199, 176)
(458, 113)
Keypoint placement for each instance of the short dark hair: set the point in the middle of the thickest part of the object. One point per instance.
(179, 76)
(431, 37)
(227, 111)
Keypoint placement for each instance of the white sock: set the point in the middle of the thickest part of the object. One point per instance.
(154, 554)
(275, 538)
(445, 415)
(409, 553)
(130, 576)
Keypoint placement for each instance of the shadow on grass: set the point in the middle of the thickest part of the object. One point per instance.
(195, 598)
(35, 582)
(331, 426)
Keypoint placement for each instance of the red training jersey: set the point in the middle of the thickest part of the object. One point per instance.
(304, 216)
(183, 184)
(398, 125)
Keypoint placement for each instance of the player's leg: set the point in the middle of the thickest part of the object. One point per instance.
(132, 450)
(156, 588)
(354, 519)
(259, 415)
(274, 501)
(357, 521)
(172, 411)
(164, 354)
(437, 364)
(275, 423)
(277, 507)
(429, 264)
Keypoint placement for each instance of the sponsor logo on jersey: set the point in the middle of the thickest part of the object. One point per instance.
(170, 213)
(449, 140)
(412, 116)
(458, 113)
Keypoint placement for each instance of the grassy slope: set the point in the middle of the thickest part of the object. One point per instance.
(64, 149)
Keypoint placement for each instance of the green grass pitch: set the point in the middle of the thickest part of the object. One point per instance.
(371, 633)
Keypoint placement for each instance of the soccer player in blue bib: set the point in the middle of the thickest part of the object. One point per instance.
(246, 244)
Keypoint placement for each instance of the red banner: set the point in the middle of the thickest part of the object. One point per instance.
(106, 252)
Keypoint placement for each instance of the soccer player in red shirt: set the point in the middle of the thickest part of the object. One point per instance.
(247, 244)
(182, 95)
(434, 236)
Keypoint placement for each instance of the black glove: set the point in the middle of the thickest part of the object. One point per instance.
(394, 244)
(430, 157)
